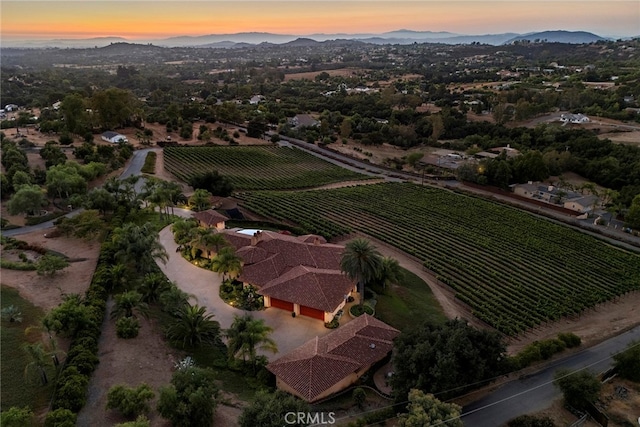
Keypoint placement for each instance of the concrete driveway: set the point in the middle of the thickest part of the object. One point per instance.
(204, 285)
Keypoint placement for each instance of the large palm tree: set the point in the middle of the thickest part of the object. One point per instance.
(361, 262)
(184, 230)
(193, 327)
(206, 240)
(246, 335)
(138, 244)
(128, 304)
(40, 360)
(227, 262)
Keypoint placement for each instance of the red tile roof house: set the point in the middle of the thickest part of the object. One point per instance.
(298, 274)
(210, 219)
(324, 366)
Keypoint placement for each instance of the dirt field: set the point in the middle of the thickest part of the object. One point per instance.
(47, 292)
(341, 72)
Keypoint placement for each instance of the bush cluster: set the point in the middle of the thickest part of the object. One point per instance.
(543, 350)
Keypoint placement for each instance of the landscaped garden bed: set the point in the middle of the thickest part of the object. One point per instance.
(239, 296)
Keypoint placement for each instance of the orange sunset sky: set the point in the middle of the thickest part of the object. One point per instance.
(152, 19)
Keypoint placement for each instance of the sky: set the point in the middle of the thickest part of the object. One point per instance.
(156, 19)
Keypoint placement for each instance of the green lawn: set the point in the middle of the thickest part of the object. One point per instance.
(15, 389)
(409, 303)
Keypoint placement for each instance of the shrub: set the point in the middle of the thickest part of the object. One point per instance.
(60, 418)
(359, 396)
(531, 421)
(333, 324)
(71, 393)
(141, 421)
(83, 359)
(569, 339)
(359, 309)
(578, 388)
(16, 417)
(627, 363)
(127, 327)
(190, 400)
(130, 401)
(11, 314)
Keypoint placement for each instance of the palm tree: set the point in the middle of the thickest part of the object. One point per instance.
(206, 239)
(227, 263)
(390, 271)
(152, 286)
(138, 244)
(128, 303)
(118, 276)
(192, 327)
(174, 299)
(361, 262)
(246, 335)
(39, 360)
(184, 230)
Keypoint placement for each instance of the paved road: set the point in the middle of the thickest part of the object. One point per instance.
(133, 168)
(536, 392)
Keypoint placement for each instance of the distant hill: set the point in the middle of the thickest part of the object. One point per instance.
(302, 42)
(574, 37)
(256, 38)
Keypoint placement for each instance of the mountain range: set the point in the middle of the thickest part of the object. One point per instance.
(256, 38)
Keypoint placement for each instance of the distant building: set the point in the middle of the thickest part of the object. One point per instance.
(303, 120)
(574, 118)
(113, 137)
(556, 196)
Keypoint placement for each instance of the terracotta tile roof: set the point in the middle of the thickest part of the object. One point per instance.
(317, 288)
(312, 238)
(209, 217)
(304, 270)
(252, 254)
(261, 273)
(237, 240)
(319, 364)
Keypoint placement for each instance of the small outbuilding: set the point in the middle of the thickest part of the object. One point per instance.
(113, 137)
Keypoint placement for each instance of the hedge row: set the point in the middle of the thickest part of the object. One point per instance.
(71, 386)
(150, 163)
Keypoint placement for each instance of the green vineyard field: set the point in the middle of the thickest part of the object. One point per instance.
(514, 269)
(257, 167)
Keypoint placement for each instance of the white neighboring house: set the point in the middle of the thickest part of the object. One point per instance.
(113, 137)
(574, 118)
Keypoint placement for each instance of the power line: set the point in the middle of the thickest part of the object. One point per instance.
(497, 402)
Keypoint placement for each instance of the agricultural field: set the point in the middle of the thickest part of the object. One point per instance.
(514, 270)
(257, 167)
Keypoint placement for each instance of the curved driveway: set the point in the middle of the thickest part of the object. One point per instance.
(204, 285)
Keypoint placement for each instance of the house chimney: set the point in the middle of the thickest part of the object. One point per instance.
(256, 238)
(550, 188)
(316, 241)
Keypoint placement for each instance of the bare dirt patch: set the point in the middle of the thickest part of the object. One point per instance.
(47, 292)
(341, 72)
(144, 359)
(630, 137)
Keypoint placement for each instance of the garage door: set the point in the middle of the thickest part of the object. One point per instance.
(278, 303)
(311, 312)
